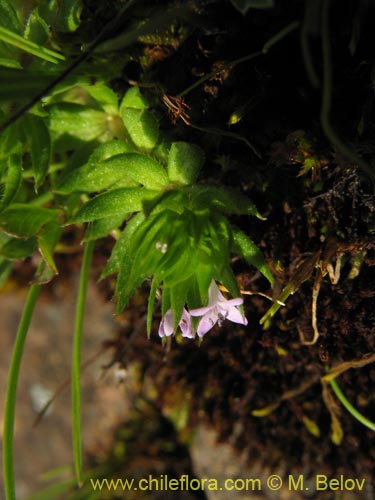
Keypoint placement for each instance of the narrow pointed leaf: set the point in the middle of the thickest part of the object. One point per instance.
(245, 247)
(122, 246)
(39, 142)
(47, 240)
(226, 200)
(11, 176)
(151, 301)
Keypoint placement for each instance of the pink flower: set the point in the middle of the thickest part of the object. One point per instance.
(218, 310)
(166, 325)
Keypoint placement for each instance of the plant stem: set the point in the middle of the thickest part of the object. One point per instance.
(29, 46)
(11, 394)
(76, 360)
(327, 99)
(346, 403)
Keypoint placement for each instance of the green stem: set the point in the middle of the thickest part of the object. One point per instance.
(30, 47)
(358, 416)
(11, 394)
(266, 47)
(327, 98)
(305, 45)
(76, 360)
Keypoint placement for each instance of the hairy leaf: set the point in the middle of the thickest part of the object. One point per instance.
(11, 176)
(142, 126)
(113, 203)
(24, 221)
(102, 227)
(184, 162)
(122, 168)
(224, 199)
(245, 247)
(39, 141)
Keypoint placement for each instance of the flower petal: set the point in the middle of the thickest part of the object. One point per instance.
(208, 321)
(234, 315)
(166, 324)
(234, 302)
(201, 310)
(185, 325)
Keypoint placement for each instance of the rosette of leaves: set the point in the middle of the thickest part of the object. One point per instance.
(176, 230)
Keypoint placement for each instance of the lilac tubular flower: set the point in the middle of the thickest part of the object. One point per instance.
(166, 324)
(218, 310)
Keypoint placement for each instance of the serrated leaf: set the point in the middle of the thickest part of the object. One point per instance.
(23, 220)
(36, 29)
(113, 203)
(245, 247)
(39, 141)
(184, 162)
(224, 199)
(133, 98)
(11, 176)
(142, 127)
(122, 168)
(102, 227)
(17, 248)
(68, 14)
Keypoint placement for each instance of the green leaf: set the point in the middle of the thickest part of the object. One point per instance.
(17, 248)
(105, 96)
(68, 14)
(122, 168)
(122, 246)
(178, 294)
(10, 139)
(184, 162)
(24, 221)
(11, 176)
(113, 203)
(142, 126)
(133, 98)
(151, 301)
(36, 28)
(102, 227)
(109, 149)
(245, 247)
(244, 5)
(224, 199)
(8, 16)
(71, 124)
(39, 141)
(228, 279)
(48, 237)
